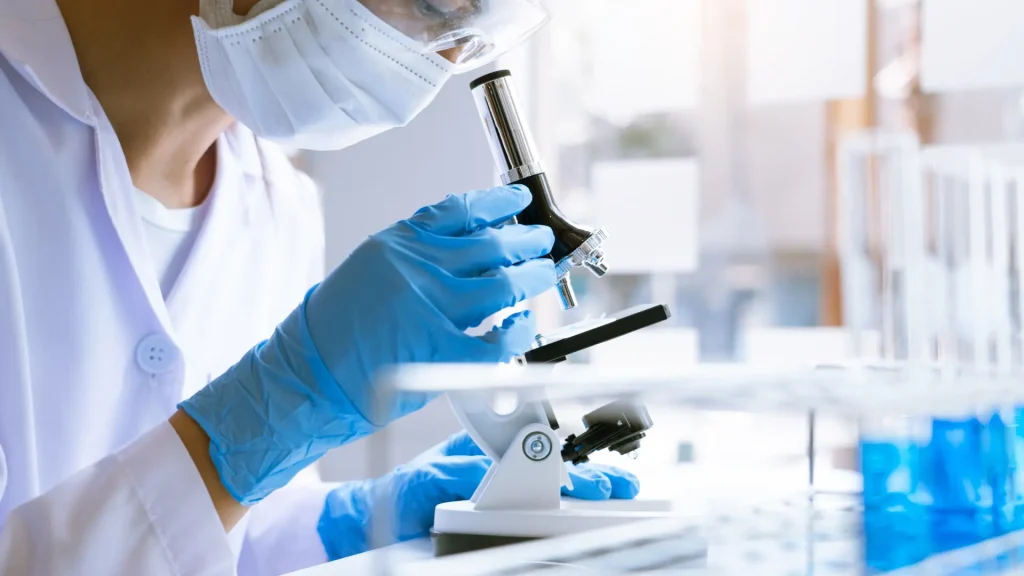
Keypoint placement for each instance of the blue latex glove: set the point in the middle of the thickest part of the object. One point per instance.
(406, 295)
(448, 472)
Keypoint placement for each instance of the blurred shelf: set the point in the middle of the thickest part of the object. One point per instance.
(850, 390)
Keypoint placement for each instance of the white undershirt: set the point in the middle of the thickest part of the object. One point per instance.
(171, 235)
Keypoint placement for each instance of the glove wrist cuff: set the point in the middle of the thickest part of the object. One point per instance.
(274, 413)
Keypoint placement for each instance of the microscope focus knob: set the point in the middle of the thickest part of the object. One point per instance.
(619, 427)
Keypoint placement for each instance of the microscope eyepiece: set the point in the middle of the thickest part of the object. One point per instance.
(511, 142)
(515, 155)
(489, 77)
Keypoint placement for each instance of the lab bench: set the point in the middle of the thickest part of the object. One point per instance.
(743, 518)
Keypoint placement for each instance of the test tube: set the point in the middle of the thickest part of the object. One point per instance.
(1015, 237)
(959, 483)
(999, 462)
(1006, 436)
(885, 274)
(949, 173)
(1000, 269)
(1015, 212)
(882, 246)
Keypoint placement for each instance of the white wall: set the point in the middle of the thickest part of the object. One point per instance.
(971, 45)
(387, 178)
(763, 167)
(787, 175)
(380, 181)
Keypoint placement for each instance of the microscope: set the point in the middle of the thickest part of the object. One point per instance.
(520, 497)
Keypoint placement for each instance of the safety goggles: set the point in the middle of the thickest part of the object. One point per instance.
(470, 33)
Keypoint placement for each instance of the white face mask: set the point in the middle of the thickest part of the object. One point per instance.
(314, 74)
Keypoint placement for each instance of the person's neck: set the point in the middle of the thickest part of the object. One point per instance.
(139, 59)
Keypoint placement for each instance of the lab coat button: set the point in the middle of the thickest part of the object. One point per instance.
(156, 354)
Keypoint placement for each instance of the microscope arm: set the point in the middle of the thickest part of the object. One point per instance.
(519, 477)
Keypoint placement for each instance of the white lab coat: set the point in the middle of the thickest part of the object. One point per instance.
(92, 359)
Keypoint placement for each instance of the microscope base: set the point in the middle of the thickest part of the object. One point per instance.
(458, 527)
(446, 543)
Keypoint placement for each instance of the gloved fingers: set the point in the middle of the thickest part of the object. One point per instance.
(624, 484)
(588, 484)
(448, 479)
(344, 516)
(498, 289)
(408, 496)
(514, 337)
(461, 444)
(487, 249)
(466, 213)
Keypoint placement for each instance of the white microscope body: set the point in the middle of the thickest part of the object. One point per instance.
(520, 497)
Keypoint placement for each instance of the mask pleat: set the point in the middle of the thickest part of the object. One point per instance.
(267, 113)
(346, 96)
(349, 48)
(226, 90)
(294, 85)
(402, 91)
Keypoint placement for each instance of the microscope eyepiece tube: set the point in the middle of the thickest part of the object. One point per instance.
(512, 146)
(515, 155)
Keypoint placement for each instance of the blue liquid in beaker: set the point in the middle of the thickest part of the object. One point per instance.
(896, 529)
(958, 488)
(955, 471)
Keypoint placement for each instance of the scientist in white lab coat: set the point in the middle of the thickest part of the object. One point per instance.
(169, 357)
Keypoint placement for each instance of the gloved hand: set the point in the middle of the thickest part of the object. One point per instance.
(406, 295)
(448, 472)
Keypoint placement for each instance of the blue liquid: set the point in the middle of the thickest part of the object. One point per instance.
(896, 529)
(956, 475)
(956, 489)
(1000, 445)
